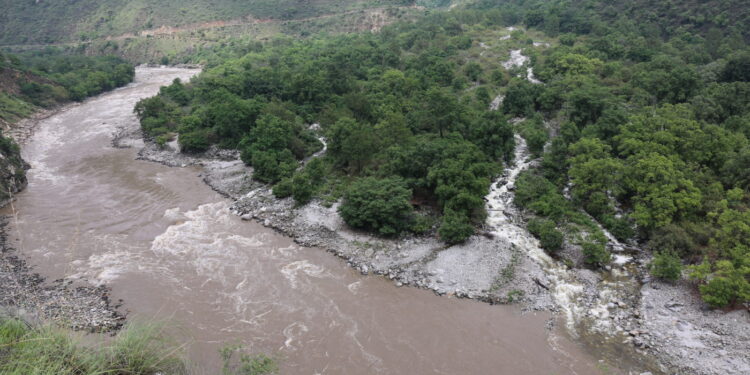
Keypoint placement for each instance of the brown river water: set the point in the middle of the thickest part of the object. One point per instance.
(170, 248)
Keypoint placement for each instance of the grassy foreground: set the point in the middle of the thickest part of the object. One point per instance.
(136, 350)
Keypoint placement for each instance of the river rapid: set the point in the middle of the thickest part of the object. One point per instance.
(171, 249)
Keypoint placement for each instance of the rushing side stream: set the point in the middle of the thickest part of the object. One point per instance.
(171, 249)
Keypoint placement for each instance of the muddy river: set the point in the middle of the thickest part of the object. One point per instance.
(170, 248)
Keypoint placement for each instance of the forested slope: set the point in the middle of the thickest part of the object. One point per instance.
(648, 130)
(48, 78)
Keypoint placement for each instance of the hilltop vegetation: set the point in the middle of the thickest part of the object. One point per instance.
(647, 129)
(47, 78)
(53, 21)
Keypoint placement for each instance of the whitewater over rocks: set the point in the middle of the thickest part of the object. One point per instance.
(623, 302)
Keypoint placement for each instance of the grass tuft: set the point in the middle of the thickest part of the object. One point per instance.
(136, 350)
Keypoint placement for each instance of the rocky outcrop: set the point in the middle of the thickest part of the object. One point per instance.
(12, 170)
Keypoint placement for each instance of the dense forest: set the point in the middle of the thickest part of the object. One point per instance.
(47, 78)
(643, 129)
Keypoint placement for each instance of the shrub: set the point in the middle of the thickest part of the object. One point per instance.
(531, 187)
(666, 266)
(163, 139)
(193, 142)
(534, 132)
(270, 166)
(302, 188)
(619, 227)
(673, 239)
(456, 228)
(727, 284)
(283, 189)
(545, 230)
(595, 254)
(376, 204)
(422, 224)
(316, 169)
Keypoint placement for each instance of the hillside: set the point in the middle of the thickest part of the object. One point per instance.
(649, 17)
(422, 103)
(49, 78)
(55, 21)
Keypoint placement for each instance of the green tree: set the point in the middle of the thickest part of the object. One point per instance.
(666, 265)
(594, 173)
(595, 254)
(737, 68)
(443, 110)
(381, 205)
(520, 99)
(455, 227)
(493, 134)
(473, 70)
(302, 188)
(550, 238)
(662, 192)
(352, 144)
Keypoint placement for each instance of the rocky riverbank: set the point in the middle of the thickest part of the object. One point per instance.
(482, 268)
(29, 296)
(24, 293)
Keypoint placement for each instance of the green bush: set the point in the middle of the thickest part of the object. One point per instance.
(270, 166)
(193, 142)
(666, 265)
(422, 224)
(673, 239)
(283, 189)
(724, 286)
(456, 228)
(163, 139)
(535, 134)
(595, 254)
(381, 205)
(546, 231)
(316, 169)
(619, 227)
(302, 188)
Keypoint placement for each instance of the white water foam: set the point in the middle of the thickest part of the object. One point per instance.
(566, 289)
